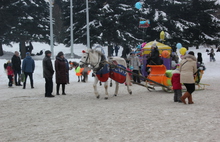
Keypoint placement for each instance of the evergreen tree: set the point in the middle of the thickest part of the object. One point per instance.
(29, 21)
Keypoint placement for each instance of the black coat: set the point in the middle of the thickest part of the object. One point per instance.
(47, 67)
(61, 71)
(16, 63)
(155, 58)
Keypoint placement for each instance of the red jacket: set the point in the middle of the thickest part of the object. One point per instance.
(176, 81)
(9, 70)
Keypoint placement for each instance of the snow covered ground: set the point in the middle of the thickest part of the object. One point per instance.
(27, 116)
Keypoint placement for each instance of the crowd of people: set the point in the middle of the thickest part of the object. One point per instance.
(183, 74)
(18, 72)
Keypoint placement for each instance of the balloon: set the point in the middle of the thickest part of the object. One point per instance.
(143, 44)
(165, 54)
(143, 22)
(183, 51)
(162, 35)
(131, 67)
(138, 47)
(138, 5)
(178, 45)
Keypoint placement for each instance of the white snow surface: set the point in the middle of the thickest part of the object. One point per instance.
(27, 116)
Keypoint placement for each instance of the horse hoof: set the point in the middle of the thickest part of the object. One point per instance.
(130, 92)
(106, 98)
(97, 97)
(115, 95)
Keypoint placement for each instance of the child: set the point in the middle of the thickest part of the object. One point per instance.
(10, 74)
(212, 54)
(177, 86)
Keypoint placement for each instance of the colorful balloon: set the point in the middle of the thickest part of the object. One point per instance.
(143, 22)
(143, 44)
(165, 54)
(178, 45)
(183, 51)
(138, 5)
(162, 35)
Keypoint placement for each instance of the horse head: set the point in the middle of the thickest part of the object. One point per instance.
(92, 57)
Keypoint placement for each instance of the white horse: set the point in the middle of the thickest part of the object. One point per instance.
(96, 60)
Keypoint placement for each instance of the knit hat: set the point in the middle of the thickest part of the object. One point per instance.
(28, 54)
(47, 52)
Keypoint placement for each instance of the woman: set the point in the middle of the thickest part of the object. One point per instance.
(61, 72)
(188, 68)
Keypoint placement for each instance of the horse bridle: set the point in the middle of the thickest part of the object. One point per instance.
(93, 66)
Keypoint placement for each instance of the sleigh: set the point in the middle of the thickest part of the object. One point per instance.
(162, 76)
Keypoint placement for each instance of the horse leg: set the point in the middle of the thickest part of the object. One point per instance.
(78, 78)
(128, 81)
(116, 88)
(95, 87)
(106, 89)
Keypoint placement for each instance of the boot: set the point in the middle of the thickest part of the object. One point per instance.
(186, 95)
(190, 100)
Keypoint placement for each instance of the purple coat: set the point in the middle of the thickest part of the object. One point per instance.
(61, 71)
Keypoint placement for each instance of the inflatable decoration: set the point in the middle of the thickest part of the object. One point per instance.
(165, 54)
(178, 45)
(138, 5)
(143, 44)
(162, 35)
(183, 51)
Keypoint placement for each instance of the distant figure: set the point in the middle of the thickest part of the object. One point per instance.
(212, 55)
(134, 65)
(10, 73)
(116, 50)
(40, 53)
(48, 74)
(28, 67)
(218, 50)
(199, 58)
(29, 48)
(61, 72)
(16, 65)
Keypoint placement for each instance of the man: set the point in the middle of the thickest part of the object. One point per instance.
(16, 65)
(28, 67)
(48, 74)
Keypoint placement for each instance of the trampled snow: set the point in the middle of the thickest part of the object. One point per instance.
(27, 116)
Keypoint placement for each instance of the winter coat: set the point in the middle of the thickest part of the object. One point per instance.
(154, 58)
(134, 62)
(61, 71)
(9, 69)
(187, 69)
(28, 65)
(47, 68)
(16, 63)
(175, 80)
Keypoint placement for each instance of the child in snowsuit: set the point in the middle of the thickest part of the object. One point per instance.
(212, 54)
(177, 86)
(10, 74)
